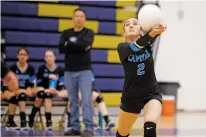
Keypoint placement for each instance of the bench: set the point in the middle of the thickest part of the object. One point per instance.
(30, 102)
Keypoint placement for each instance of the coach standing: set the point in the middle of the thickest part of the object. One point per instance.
(76, 43)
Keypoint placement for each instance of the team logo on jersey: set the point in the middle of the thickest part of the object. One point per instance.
(139, 58)
(73, 39)
(45, 75)
(22, 77)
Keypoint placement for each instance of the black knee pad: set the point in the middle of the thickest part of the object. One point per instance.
(99, 99)
(22, 97)
(118, 135)
(40, 94)
(48, 95)
(13, 100)
(149, 129)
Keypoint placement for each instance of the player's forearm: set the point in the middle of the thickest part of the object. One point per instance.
(12, 84)
(144, 40)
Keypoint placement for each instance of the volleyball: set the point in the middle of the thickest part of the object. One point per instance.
(149, 16)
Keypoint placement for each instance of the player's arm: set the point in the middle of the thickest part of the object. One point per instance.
(9, 77)
(39, 77)
(150, 37)
(61, 85)
(11, 81)
(32, 79)
(124, 50)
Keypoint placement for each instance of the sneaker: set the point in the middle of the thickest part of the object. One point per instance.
(12, 126)
(96, 127)
(87, 134)
(72, 132)
(67, 129)
(49, 125)
(109, 125)
(31, 121)
(24, 125)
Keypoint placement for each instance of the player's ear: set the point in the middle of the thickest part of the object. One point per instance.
(124, 32)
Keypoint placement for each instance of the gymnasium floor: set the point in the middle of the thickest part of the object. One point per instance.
(182, 125)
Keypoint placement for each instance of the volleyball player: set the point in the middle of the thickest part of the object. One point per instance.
(50, 77)
(26, 77)
(141, 90)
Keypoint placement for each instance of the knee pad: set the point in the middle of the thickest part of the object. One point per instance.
(40, 94)
(13, 100)
(149, 129)
(99, 99)
(48, 95)
(22, 97)
(118, 135)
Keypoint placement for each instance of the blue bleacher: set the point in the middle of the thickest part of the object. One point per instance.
(107, 27)
(16, 8)
(35, 38)
(26, 23)
(96, 55)
(95, 3)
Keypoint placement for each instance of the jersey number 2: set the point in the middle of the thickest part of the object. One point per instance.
(140, 69)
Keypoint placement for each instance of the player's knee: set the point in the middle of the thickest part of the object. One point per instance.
(149, 129)
(119, 135)
(40, 94)
(22, 97)
(48, 95)
(151, 118)
(99, 99)
(13, 100)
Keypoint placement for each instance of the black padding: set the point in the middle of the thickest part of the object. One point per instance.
(40, 94)
(48, 95)
(13, 100)
(22, 97)
(99, 99)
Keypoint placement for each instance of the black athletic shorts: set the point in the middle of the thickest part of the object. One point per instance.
(137, 105)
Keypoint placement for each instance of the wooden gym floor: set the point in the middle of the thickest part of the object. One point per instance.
(181, 125)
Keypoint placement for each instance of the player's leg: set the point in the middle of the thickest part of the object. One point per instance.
(22, 105)
(38, 94)
(13, 101)
(48, 109)
(125, 123)
(152, 112)
(62, 94)
(98, 98)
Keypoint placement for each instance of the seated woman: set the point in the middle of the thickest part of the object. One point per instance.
(50, 77)
(26, 78)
